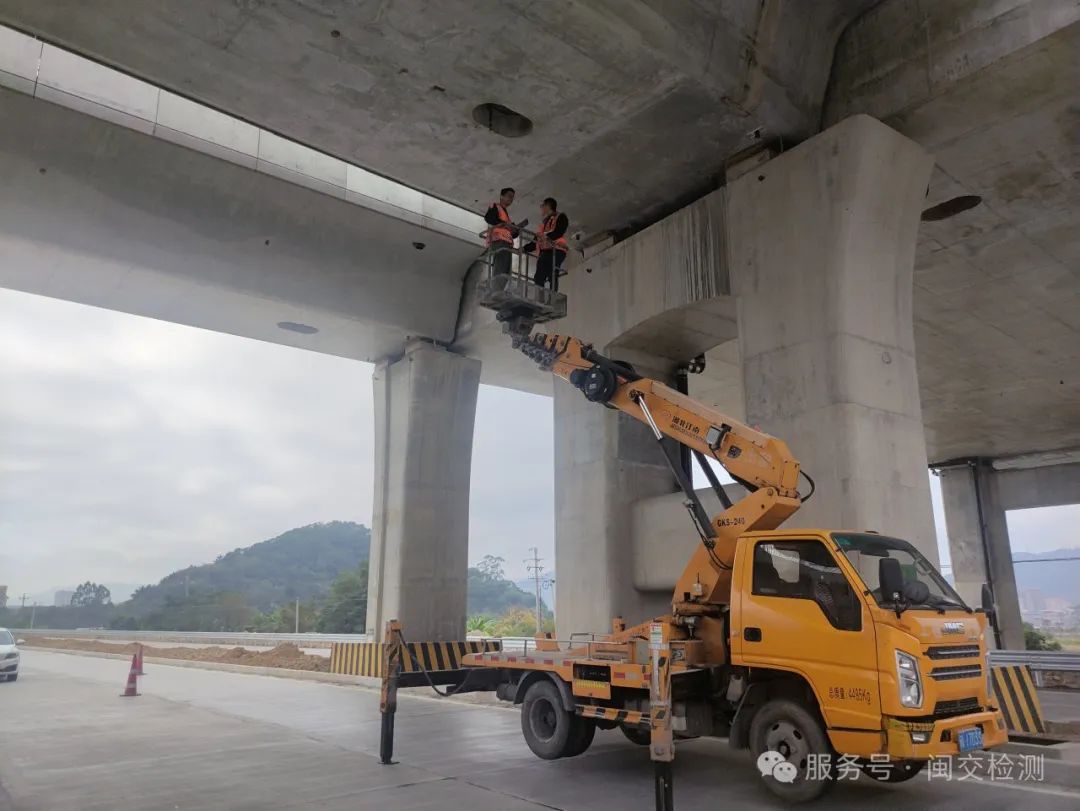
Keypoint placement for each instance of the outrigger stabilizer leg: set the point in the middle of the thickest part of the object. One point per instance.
(391, 669)
(661, 738)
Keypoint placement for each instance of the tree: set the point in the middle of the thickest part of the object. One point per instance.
(520, 622)
(490, 593)
(91, 594)
(491, 567)
(1034, 639)
(480, 624)
(346, 610)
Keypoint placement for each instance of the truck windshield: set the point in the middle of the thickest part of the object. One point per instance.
(865, 550)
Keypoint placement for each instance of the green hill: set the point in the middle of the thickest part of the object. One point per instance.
(324, 566)
(298, 564)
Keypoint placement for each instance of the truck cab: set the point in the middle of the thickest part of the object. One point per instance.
(892, 667)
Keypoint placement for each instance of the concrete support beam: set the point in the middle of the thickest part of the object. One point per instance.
(425, 406)
(664, 538)
(822, 248)
(1046, 486)
(979, 543)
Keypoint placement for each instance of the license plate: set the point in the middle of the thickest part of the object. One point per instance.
(969, 739)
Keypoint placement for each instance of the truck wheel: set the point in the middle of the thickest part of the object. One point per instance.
(582, 732)
(642, 737)
(895, 771)
(547, 727)
(789, 729)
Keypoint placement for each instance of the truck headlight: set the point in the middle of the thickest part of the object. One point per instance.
(907, 676)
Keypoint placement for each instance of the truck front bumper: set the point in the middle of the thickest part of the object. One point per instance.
(921, 740)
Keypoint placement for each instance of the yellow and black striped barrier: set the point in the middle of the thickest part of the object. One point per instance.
(1019, 703)
(366, 658)
(625, 717)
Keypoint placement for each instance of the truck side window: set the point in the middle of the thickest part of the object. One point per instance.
(805, 570)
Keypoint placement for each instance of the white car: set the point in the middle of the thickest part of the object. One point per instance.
(9, 656)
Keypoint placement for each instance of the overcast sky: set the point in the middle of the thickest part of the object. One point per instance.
(130, 448)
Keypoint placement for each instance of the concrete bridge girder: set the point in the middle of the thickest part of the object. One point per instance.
(105, 215)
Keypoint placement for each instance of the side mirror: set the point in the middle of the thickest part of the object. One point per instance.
(20, 641)
(890, 578)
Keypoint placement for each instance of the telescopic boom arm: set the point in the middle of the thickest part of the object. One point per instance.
(760, 462)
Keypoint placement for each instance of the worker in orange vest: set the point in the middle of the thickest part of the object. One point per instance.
(501, 232)
(551, 245)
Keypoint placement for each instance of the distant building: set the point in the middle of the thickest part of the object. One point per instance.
(1057, 604)
(3, 596)
(63, 598)
(1032, 601)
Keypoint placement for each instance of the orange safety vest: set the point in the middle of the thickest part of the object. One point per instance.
(546, 227)
(500, 233)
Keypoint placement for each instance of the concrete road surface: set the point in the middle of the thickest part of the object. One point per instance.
(1060, 705)
(201, 739)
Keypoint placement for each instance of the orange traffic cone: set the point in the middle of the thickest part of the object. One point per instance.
(132, 688)
(139, 660)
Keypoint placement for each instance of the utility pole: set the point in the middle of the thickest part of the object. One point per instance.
(535, 567)
(22, 600)
(297, 615)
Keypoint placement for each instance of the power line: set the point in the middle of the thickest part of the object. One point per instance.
(1043, 560)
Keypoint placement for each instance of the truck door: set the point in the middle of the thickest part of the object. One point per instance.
(799, 613)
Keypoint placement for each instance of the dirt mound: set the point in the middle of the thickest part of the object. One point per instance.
(286, 655)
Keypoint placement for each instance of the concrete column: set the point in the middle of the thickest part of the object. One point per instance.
(604, 462)
(979, 543)
(822, 248)
(425, 406)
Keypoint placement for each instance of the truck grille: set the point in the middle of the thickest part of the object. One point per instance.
(956, 706)
(956, 672)
(952, 651)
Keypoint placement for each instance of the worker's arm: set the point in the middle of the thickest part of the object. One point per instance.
(492, 216)
(760, 462)
(562, 225)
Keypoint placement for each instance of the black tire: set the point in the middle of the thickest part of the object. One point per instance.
(582, 732)
(642, 737)
(895, 771)
(547, 727)
(796, 733)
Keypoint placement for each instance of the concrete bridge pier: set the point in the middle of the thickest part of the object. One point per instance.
(605, 461)
(977, 493)
(822, 261)
(425, 407)
(808, 260)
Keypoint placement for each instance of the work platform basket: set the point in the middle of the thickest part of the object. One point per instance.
(507, 287)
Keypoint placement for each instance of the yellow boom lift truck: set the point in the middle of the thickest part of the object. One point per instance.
(805, 643)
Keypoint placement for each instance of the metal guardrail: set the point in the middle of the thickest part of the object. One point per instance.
(197, 637)
(1036, 659)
